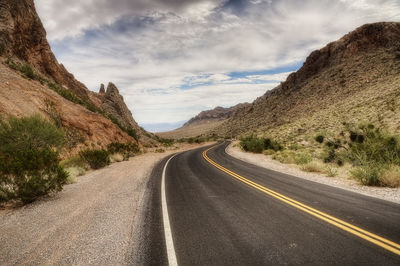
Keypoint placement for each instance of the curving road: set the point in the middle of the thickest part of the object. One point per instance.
(223, 211)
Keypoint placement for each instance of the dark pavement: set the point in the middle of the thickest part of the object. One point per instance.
(219, 220)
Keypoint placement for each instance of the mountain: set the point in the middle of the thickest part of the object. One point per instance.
(204, 122)
(32, 81)
(355, 79)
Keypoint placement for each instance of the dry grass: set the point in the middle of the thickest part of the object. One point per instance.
(116, 157)
(74, 172)
(314, 167)
(391, 177)
(331, 171)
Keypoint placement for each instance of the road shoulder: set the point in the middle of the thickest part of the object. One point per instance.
(389, 194)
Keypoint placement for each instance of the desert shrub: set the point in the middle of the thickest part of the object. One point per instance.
(74, 161)
(73, 173)
(252, 144)
(25, 69)
(28, 71)
(314, 166)
(391, 176)
(116, 157)
(372, 145)
(302, 158)
(29, 158)
(131, 132)
(371, 150)
(272, 145)
(285, 156)
(159, 150)
(319, 138)
(166, 142)
(96, 158)
(331, 171)
(367, 174)
(126, 150)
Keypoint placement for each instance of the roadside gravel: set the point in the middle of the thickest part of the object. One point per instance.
(88, 223)
(389, 194)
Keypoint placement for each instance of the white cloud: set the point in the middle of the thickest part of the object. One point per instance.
(151, 48)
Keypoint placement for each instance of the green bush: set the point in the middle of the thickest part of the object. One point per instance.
(319, 138)
(272, 145)
(96, 158)
(29, 159)
(127, 150)
(257, 145)
(165, 142)
(302, 158)
(367, 174)
(252, 144)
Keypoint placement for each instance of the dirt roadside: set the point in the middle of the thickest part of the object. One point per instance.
(390, 194)
(88, 223)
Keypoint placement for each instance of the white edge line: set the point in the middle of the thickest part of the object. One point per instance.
(167, 228)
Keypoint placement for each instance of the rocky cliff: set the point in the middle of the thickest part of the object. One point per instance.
(22, 35)
(354, 79)
(114, 105)
(99, 118)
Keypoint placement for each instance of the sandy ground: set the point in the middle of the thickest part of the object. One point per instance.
(390, 194)
(88, 223)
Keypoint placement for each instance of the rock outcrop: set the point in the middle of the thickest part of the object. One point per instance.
(114, 105)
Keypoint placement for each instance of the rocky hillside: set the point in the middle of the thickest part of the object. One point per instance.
(32, 81)
(216, 114)
(355, 79)
(204, 122)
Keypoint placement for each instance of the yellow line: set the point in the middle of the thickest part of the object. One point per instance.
(373, 238)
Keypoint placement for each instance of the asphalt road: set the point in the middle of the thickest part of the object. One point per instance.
(217, 219)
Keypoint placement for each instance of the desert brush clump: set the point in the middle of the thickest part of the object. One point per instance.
(96, 158)
(29, 158)
(258, 145)
(371, 150)
(125, 149)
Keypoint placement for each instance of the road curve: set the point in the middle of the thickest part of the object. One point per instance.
(217, 219)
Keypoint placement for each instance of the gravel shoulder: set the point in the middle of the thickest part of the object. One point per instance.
(88, 223)
(389, 194)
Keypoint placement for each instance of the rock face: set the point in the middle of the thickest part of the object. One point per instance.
(113, 104)
(353, 79)
(22, 35)
(23, 38)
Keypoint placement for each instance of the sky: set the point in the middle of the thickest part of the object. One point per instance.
(172, 59)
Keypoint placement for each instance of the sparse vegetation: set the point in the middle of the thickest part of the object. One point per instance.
(96, 158)
(126, 150)
(29, 158)
(331, 171)
(369, 149)
(391, 176)
(314, 167)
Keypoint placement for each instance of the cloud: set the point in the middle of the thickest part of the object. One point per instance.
(172, 59)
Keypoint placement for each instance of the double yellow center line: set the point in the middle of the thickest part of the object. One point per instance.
(373, 238)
